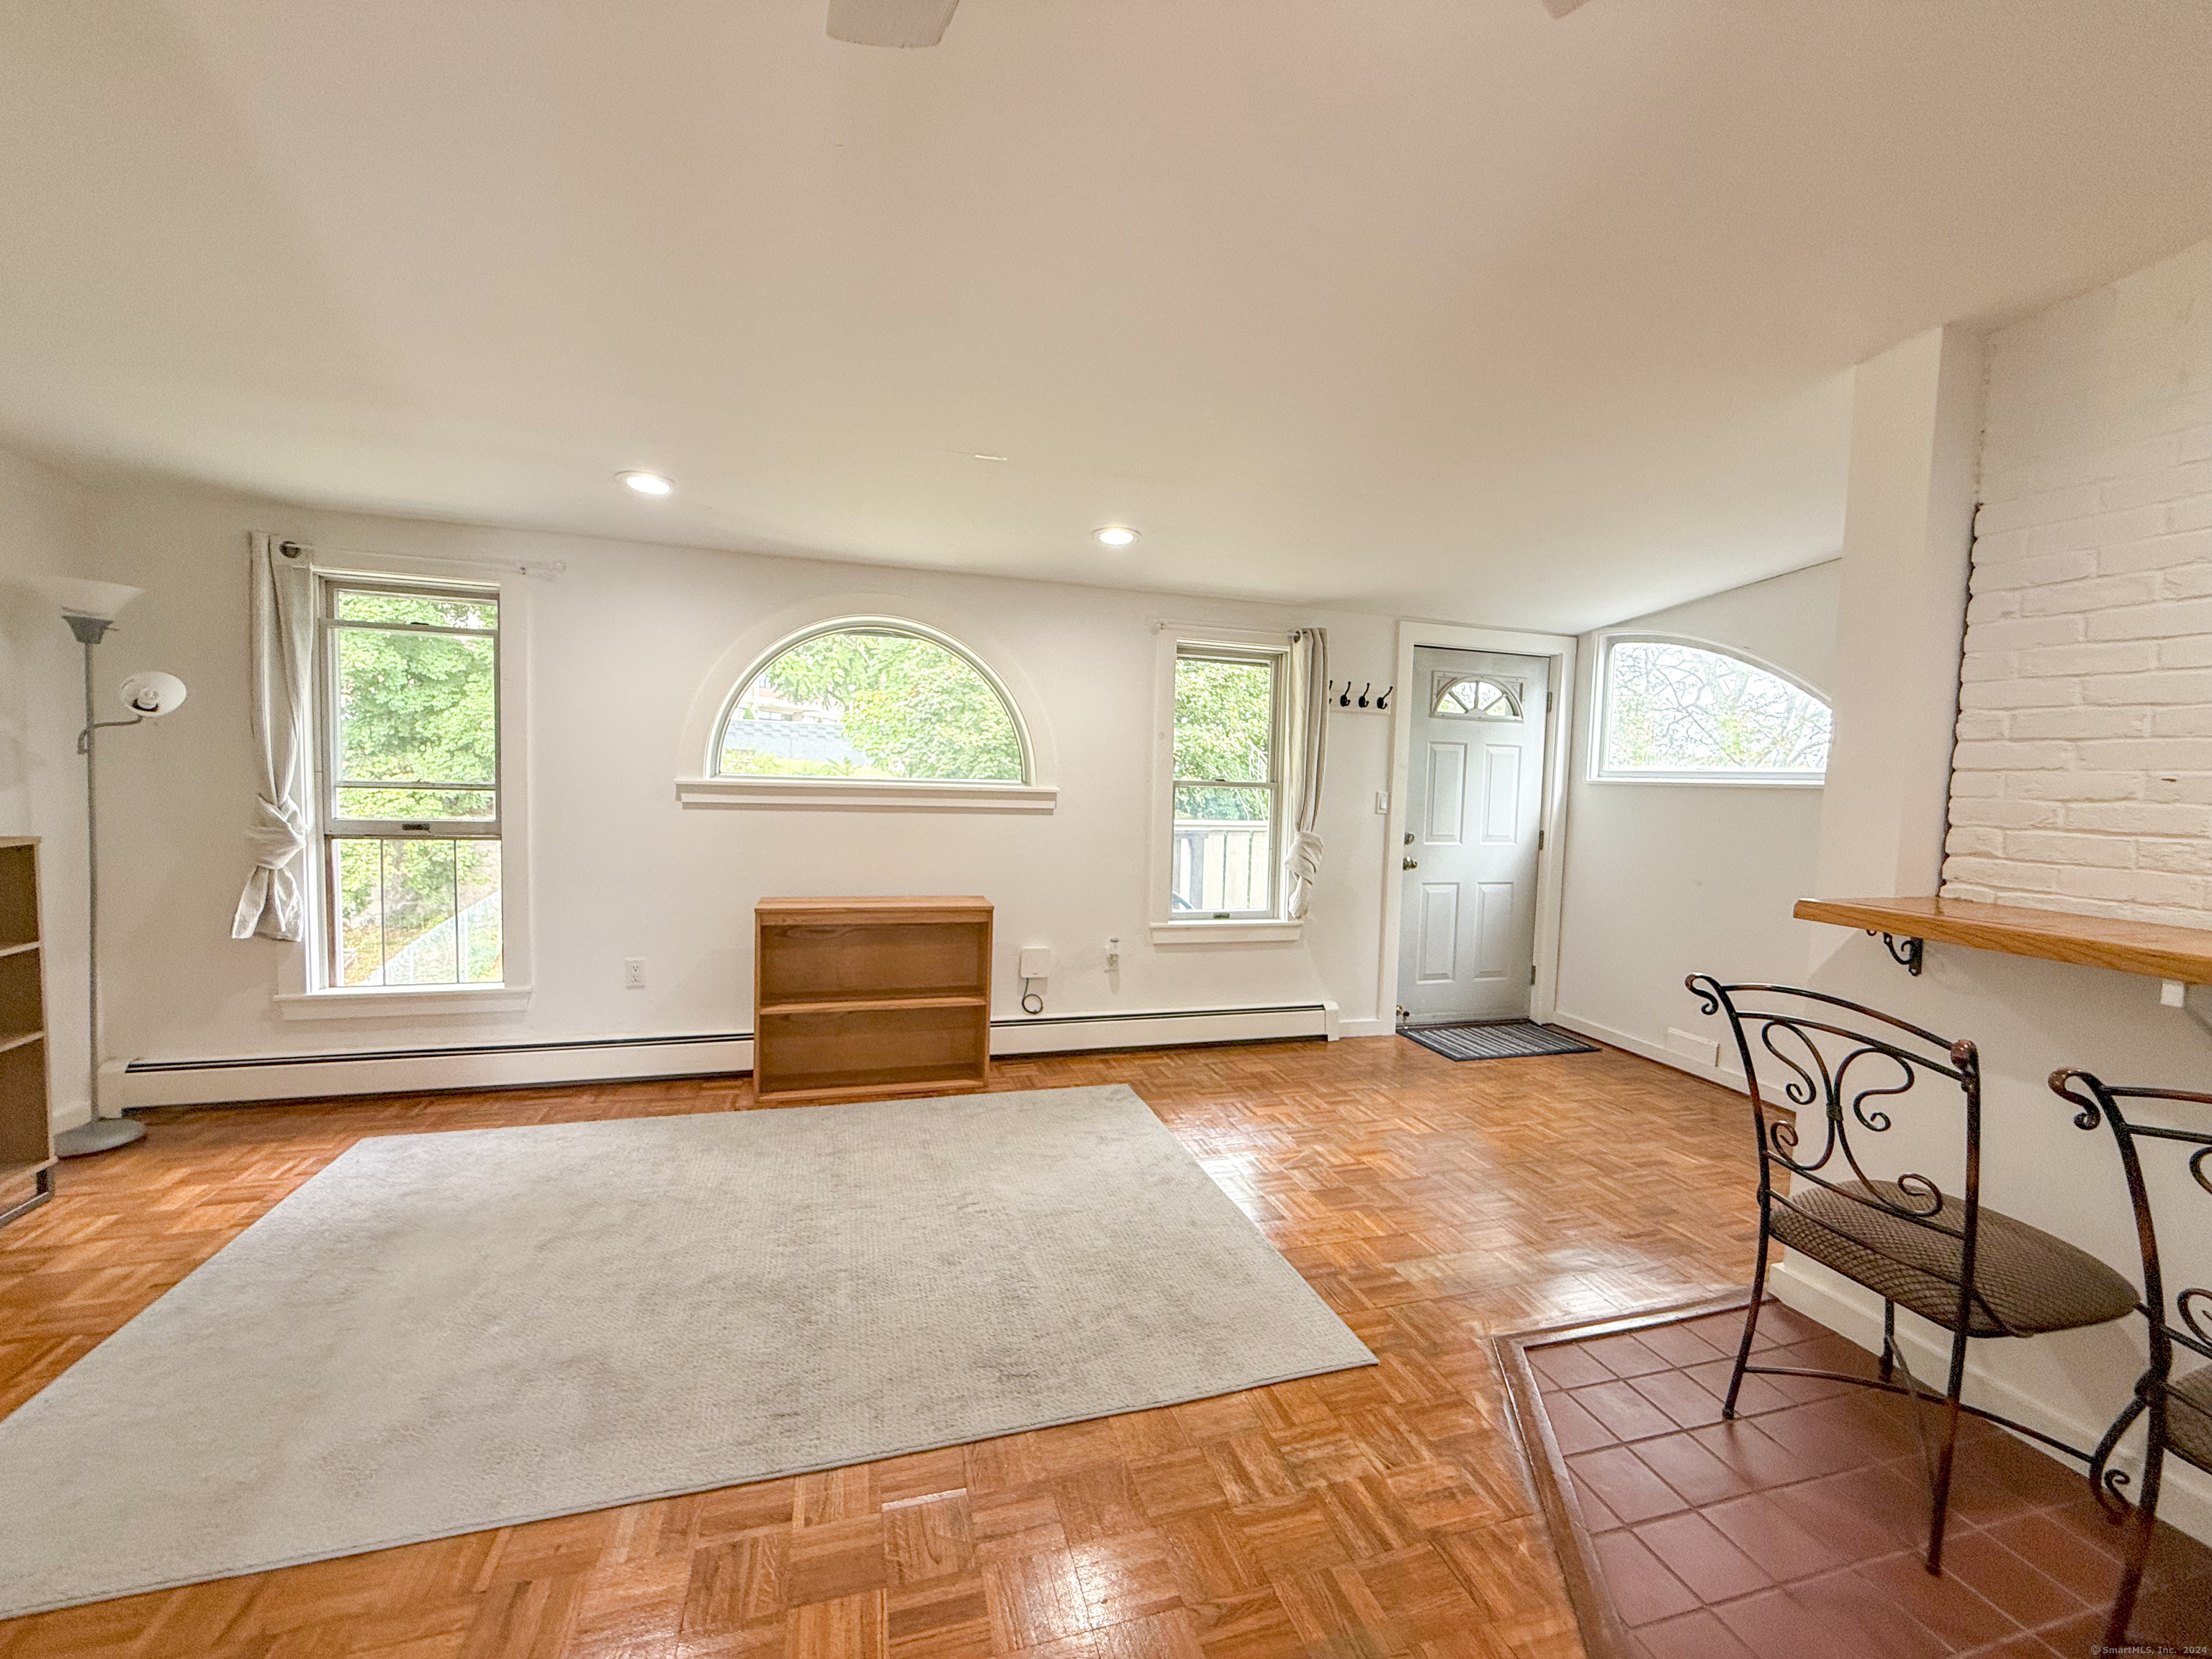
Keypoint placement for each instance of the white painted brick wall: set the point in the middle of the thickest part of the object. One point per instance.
(2083, 777)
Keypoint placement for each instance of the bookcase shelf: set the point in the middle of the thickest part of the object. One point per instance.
(26, 1146)
(862, 997)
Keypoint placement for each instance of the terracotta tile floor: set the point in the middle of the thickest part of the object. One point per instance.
(1795, 1529)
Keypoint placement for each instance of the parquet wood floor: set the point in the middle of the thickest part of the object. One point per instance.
(1372, 1514)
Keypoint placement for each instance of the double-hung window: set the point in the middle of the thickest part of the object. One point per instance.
(410, 741)
(1226, 792)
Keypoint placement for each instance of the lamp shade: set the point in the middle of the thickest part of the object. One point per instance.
(153, 694)
(78, 596)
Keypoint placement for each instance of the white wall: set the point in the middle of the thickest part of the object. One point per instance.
(1908, 516)
(1667, 880)
(45, 529)
(623, 644)
(2027, 1017)
(2084, 744)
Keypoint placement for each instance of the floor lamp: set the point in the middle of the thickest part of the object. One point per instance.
(89, 608)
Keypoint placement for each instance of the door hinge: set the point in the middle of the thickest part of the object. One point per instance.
(1547, 702)
(1540, 841)
(1532, 973)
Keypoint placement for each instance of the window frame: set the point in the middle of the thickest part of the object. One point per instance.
(307, 984)
(332, 827)
(1601, 719)
(1516, 701)
(1169, 926)
(328, 625)
(712, 787)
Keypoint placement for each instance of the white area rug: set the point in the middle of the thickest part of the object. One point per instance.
(443, 1333)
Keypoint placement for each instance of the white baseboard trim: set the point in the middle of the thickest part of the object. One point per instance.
(1164, 1028)
(128, 1085)
(132, 1085)
(2186, 1499)
(1726, 1077)
(1366, 1028)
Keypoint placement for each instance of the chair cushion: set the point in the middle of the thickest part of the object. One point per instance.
(2189, 1417)
(2025, 1281)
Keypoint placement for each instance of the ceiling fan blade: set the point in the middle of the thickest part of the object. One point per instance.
(1560, 8)
(889, 22)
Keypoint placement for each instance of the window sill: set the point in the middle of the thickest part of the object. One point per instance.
(1696, 781)
(403, 1002)
(866, 795)
(1225, 932)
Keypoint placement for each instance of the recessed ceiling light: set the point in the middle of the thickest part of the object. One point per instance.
(647, 483)
(1115, 535)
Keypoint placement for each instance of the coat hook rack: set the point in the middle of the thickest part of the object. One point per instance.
(1379, 700)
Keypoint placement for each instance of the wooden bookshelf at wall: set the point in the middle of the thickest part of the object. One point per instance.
(859, 997)
(26, 1146)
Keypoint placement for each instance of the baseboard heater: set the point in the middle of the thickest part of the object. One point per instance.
(127, 1086)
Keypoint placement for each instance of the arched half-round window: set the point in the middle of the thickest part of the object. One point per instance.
(1679, 712)
(873, 700)
(1477, 697)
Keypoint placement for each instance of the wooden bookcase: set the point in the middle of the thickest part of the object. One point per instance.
(857, 998)
(26, 1146)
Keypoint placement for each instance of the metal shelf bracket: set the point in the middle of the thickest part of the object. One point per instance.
(1905, 952)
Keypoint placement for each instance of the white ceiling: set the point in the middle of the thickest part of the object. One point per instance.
(1435, 305)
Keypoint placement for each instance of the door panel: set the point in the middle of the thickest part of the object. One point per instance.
(1439, 930)
(1447, 791)
(1501, 791)
(1493, 925)
(1467, 930)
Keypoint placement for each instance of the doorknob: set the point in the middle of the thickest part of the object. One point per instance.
(1409, 864)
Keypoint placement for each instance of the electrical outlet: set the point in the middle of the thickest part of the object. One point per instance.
(634, 973)
(1114, 956)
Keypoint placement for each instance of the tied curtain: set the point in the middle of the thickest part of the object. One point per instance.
(282, 624)
(1309, 757)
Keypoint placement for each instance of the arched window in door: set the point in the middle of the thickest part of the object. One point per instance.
(1477, 697)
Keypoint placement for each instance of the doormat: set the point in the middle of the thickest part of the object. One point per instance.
(1509, 1039)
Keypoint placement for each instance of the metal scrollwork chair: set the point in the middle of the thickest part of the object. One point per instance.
(1970, 1270)
(2177, 1410)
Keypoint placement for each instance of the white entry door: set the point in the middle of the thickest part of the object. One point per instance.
(1475, 800)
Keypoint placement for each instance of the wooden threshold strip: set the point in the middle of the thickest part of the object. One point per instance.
(2147, 948)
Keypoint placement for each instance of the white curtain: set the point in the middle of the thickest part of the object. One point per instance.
(1310, 738)
(281, 620)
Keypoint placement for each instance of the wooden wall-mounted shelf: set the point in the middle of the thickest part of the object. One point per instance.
(856, 999)
(2156, 952)
(27, 1147)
